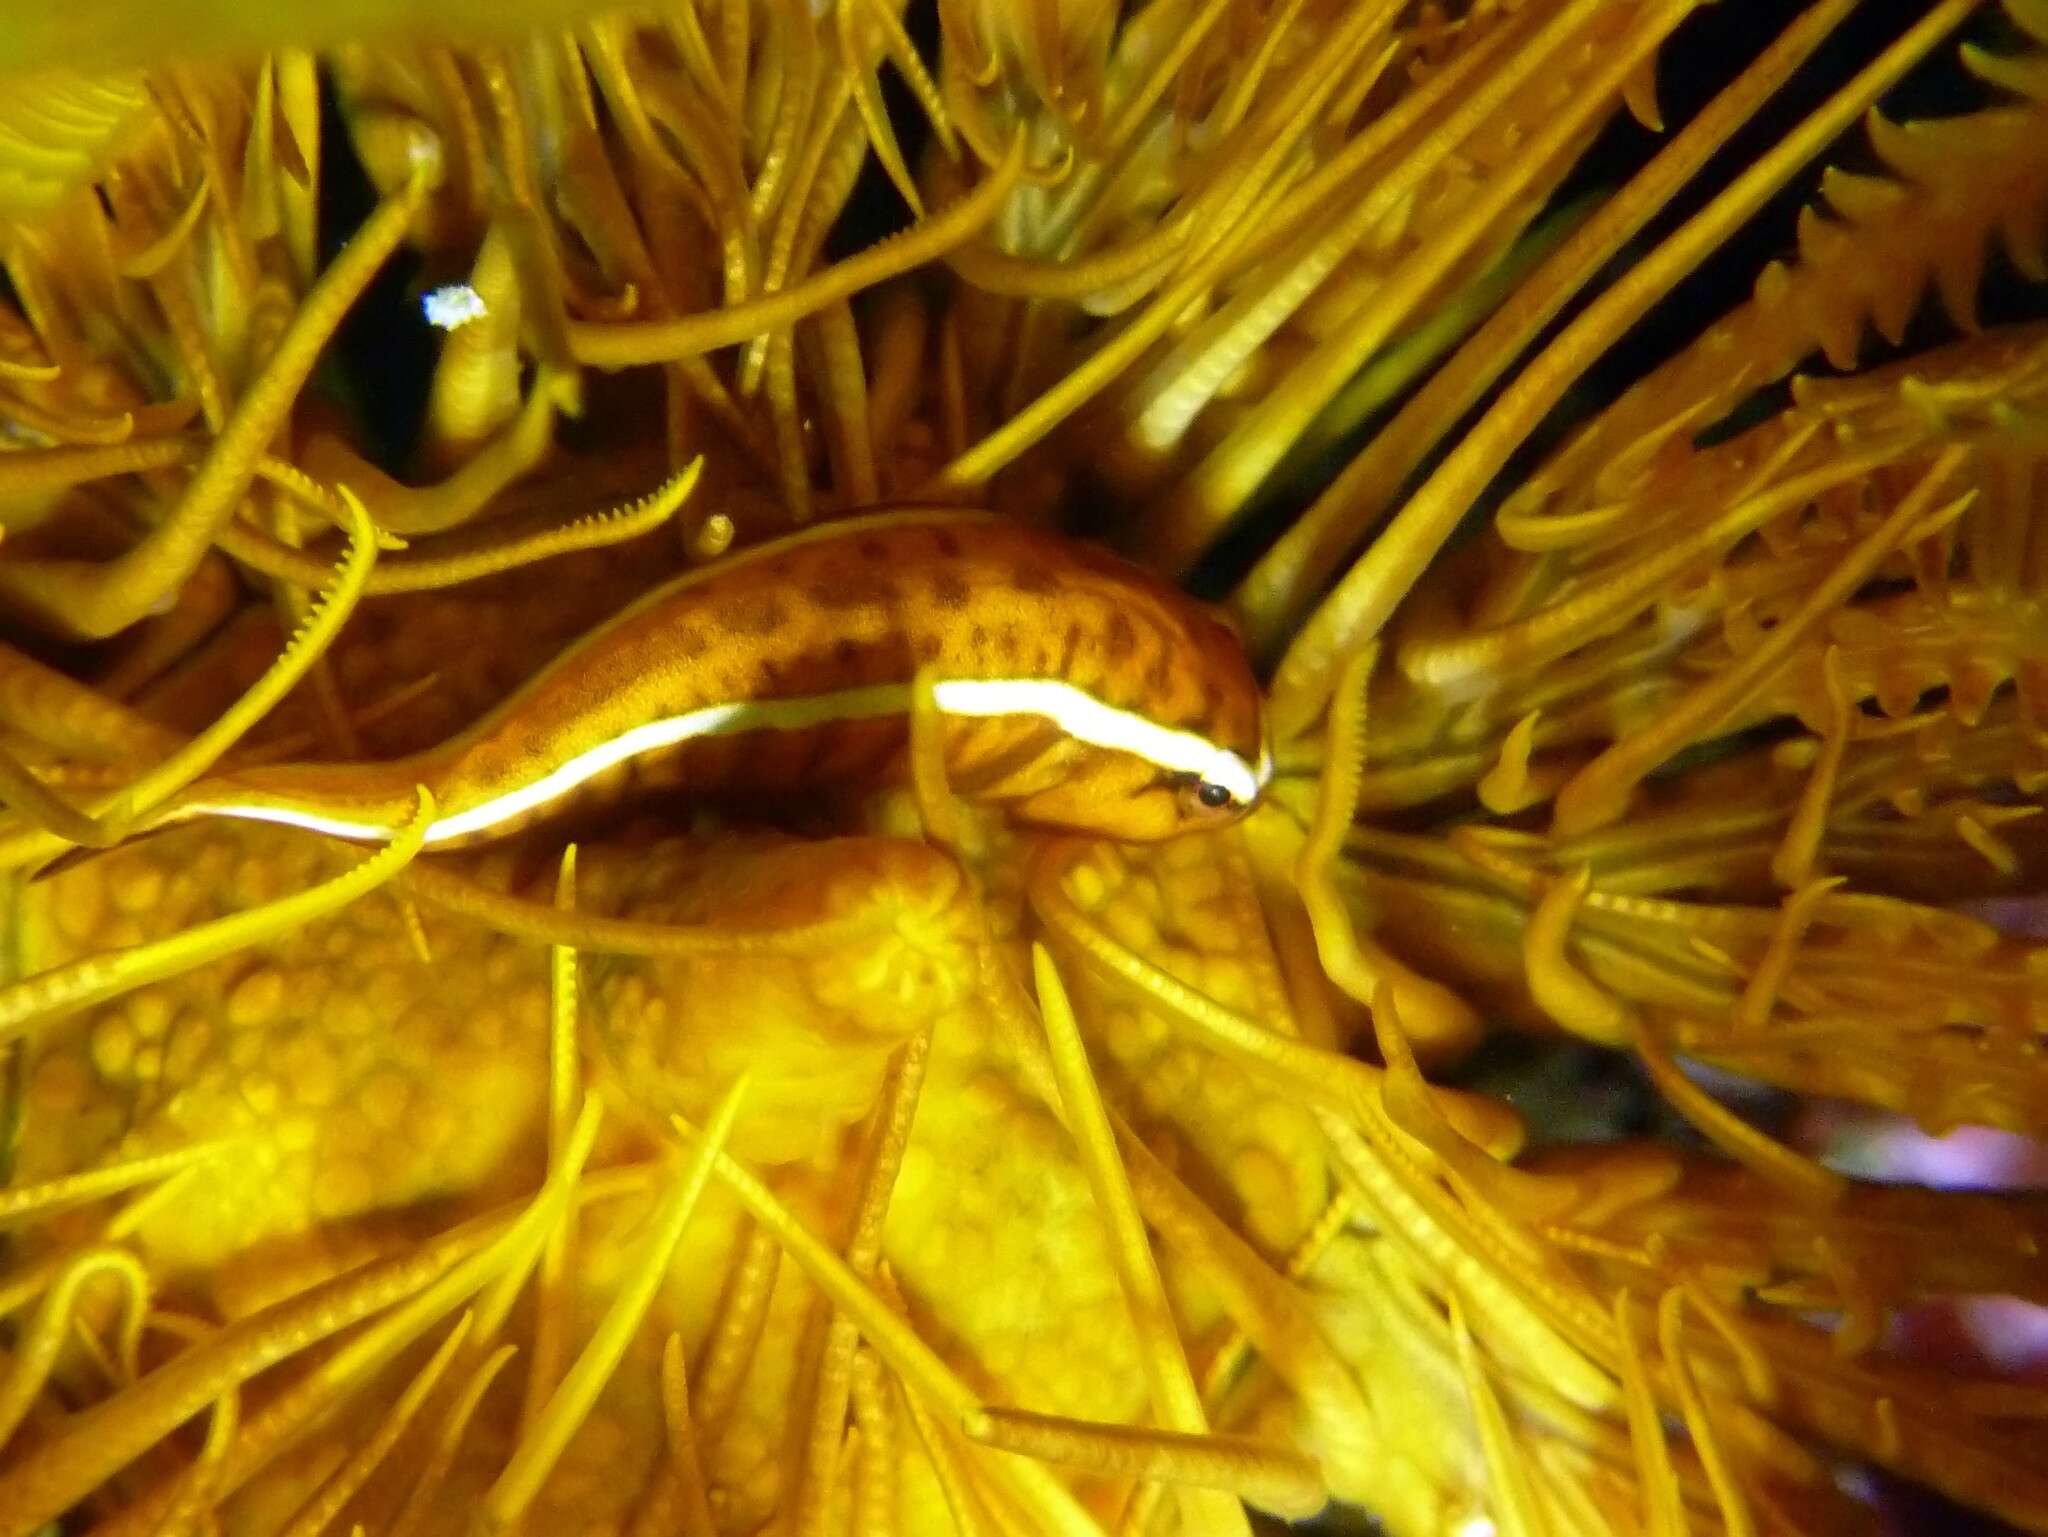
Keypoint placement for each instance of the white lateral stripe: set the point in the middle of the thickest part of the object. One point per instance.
(1087, 719)
(307, 821)
(1078, 714)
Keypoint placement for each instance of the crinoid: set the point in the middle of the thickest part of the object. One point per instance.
(1666, 694)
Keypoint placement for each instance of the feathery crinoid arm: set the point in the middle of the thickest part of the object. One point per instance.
(1954, 190)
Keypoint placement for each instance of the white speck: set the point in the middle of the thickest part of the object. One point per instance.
(453, 307)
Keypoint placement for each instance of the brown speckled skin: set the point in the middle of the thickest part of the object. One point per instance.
(859, 603)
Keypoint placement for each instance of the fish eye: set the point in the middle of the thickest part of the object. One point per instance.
(1205, 798)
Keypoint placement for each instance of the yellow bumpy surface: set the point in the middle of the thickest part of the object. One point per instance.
(380, 1076)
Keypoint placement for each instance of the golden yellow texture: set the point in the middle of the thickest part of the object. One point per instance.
(867, 1165)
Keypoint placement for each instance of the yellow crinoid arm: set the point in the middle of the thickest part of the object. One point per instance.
(99, 977)
(122, 810)
(98, 600)
(132, 33)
